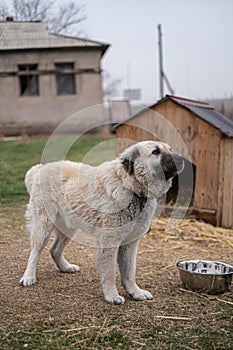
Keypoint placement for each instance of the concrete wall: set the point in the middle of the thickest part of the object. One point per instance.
(44, 112)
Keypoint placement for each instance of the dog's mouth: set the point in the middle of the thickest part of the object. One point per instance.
(172, 164)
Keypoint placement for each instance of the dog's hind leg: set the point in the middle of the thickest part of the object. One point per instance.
(127, 265)
(40, 227)
(57, 253)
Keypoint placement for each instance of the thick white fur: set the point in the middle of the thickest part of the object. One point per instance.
(114, 202)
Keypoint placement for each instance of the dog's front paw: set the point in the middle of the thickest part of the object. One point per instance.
(141, 294)
(116, 299)
(70, 268)
(27, 281)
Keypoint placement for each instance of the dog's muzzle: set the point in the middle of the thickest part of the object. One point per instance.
(172, 164)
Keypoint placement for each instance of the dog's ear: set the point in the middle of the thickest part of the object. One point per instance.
(128, 159)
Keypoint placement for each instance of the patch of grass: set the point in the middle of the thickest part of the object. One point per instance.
(94, 153)
(42, 338)
(16, 157)
(204, 333)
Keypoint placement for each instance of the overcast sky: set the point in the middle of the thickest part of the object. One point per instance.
(197, 43)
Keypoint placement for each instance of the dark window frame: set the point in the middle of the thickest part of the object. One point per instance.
(65, 78)
(28, 80)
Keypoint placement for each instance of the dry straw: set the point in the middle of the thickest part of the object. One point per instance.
(193, 230)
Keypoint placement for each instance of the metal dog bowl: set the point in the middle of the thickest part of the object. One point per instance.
(203, 276)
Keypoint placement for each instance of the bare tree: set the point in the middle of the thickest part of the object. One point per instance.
(64, 18)
(67, 17)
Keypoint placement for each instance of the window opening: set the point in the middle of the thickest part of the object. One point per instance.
(28, 80)
(65, 78)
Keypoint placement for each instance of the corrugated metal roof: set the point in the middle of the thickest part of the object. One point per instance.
(205, 112)
(34, 35)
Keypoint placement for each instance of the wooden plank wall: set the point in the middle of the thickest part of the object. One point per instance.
(149, 125)
(225, 210)
(203, 143)
(184, 132)
(139, 129)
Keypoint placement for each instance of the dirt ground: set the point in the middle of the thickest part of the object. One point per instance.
(174, 319)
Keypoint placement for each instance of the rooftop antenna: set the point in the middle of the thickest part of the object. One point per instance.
(162, 76)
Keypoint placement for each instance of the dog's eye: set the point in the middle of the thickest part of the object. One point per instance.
(156, 151)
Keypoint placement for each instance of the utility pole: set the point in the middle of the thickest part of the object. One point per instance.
(162, 76)
(160, 62)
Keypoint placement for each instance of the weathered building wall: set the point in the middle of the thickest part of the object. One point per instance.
(46, 111)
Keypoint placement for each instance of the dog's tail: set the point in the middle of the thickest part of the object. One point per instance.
(29, 178)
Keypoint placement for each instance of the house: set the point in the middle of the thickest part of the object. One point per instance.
(44, 78)
(205, 138)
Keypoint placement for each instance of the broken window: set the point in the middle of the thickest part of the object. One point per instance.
(28, 80)
(65, 78)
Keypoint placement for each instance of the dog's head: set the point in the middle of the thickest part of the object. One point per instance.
(153, 164)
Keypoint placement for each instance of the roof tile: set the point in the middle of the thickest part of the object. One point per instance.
(34, 35)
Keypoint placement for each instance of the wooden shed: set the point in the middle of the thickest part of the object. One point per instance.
(204, 137)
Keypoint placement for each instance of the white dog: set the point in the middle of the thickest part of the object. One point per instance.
(114, 202)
